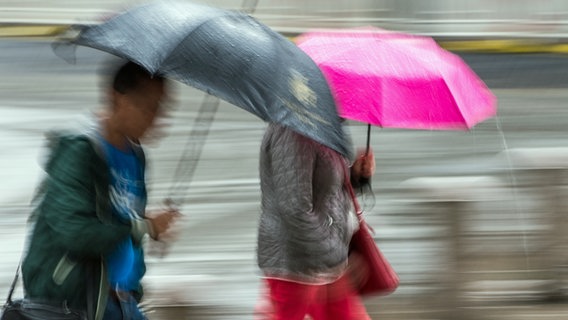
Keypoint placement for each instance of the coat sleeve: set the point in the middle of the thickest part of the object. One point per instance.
(69, 206)
(293, 159)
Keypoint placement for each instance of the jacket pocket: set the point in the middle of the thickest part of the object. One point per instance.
(63, 269)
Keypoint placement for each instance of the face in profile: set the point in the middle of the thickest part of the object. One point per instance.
(141, 107)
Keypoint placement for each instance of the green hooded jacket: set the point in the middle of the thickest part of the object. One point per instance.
(73, 226)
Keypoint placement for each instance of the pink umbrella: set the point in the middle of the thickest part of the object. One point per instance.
(398, 80)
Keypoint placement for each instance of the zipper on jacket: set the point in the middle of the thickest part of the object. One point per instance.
(98, 308)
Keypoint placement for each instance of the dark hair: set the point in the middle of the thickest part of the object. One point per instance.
(130, 76)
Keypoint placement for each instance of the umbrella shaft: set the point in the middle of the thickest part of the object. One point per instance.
(368, 139)
(192, 152)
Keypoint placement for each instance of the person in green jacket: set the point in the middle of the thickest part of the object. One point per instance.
(85, 248)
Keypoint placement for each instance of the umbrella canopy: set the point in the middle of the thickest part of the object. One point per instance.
(398, 80)
(227, 54)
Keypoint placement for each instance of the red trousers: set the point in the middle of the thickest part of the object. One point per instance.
(288, 300)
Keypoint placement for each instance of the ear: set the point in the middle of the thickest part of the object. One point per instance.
(110, 96)
(116, 99)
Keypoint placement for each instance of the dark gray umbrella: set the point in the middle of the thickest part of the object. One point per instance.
(227, 54)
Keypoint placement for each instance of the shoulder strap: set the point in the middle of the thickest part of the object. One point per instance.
(13, 286)
(347, 182)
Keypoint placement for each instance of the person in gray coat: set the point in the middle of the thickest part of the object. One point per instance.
(306, 225)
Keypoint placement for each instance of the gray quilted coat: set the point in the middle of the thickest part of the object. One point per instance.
(305, 225)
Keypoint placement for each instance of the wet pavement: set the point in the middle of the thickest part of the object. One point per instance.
(210, 272)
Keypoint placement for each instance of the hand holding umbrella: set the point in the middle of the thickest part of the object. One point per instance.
(363, 167)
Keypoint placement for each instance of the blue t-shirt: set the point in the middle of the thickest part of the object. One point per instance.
(125, 263)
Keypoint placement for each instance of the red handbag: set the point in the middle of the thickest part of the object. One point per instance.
(381, 278)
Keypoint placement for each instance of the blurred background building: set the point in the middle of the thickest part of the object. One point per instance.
(441, 18)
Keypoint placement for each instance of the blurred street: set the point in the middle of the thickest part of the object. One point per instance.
(211, 273)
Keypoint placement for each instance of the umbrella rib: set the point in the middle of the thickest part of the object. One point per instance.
(182, 41)
(456, 104)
